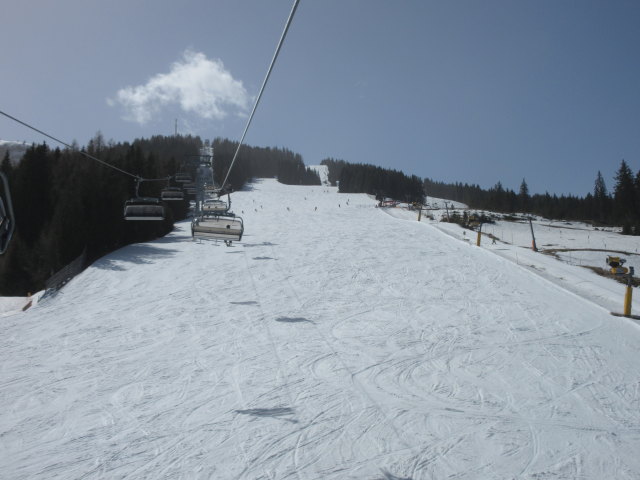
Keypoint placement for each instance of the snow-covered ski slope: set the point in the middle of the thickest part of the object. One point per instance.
(337, 343)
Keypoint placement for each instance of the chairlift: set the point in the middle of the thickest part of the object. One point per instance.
(183, 177)
(7, 219)
(214, 207)
(211, 189)
(172, 194)
(190, 188)
(220, 227)
(143, 208)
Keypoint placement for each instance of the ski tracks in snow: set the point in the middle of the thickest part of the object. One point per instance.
(333, 343)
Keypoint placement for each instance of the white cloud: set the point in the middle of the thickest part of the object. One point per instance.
(198, 85)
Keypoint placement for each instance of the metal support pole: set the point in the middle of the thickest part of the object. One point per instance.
(533, 237)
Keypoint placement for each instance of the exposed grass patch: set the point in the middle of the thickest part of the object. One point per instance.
(603, 272)
(554, 251)
(635, 281)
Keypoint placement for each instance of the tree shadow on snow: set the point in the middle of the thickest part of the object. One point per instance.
(174, 239)
(263, 244)
(247, 187)
(278, 412)
(391, 476)
(293, 320)
(137, 254)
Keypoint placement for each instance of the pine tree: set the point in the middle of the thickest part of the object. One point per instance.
(31, 189)
(636, 230)
(6, 166)
(600, 189)
(624, 196)
(600, 200)
(523, 196)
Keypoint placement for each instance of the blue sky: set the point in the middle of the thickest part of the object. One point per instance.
(470, 91)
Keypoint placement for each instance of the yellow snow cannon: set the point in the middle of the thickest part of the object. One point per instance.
(616, 264)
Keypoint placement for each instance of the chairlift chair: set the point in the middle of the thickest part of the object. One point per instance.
(214, 207)
(221, 227)
(172, 194)
(212, 189)
(183, 178)
(190, 188)
(143, 208)
(7, 219)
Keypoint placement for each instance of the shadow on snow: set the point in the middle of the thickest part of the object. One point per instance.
(138, 254)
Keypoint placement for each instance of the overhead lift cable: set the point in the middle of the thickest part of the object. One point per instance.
(106, 164)
(216, 221)
(264, 83)
(253, 111)
(137, 208)
(135, 201)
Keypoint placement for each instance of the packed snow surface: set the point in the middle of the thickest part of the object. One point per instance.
(336, 341)
(323, 173)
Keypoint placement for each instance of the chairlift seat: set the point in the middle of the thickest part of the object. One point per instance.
(214, 207)
(7, 218)
(144, 208)
(183, 178)
(190, 188)
(219, 228)
(172, 194)
(6, 226)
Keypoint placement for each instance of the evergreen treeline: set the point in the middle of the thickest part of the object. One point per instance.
(362, 178)
(260, 162)
(622, 207)
(66, 203)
